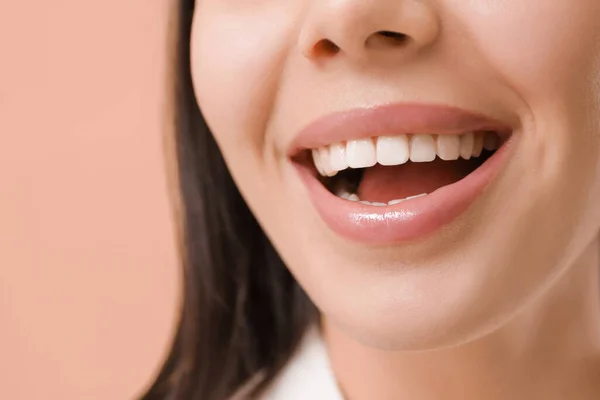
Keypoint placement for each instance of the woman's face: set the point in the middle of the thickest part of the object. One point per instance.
(401, 83)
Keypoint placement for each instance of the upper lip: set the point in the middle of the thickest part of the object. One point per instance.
(393, 119)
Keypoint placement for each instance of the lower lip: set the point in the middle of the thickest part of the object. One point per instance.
(407, 221)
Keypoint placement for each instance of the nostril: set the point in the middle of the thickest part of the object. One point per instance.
(325, 47)
(391, 37)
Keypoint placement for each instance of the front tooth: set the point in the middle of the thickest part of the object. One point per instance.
(317, 160)
(397, 201)
(477, 145)
(490, 141)
(360, 153)
(466, 145)
(379, 204)
(337, 157)
(422, 148)
(392, 150)
(448, 147)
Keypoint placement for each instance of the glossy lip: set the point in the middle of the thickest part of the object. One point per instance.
(412, 219)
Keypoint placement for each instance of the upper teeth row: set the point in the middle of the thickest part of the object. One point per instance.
(397, 150)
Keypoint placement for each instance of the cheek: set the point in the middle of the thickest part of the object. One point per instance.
(237, 62)
(236, 66)
(540, 47)
(549, 54)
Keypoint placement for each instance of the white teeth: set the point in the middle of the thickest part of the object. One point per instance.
(318, 163)
(490, 141)
(374, 203)
(361, 153)
(343, 194)
(448, 147)
(466, 145)
(422, 148)
(414, 197)
(397, 150)
(392, 150)
(326, 161)
(392, 202)
(353, 197)
(477, 145)
(337, 153)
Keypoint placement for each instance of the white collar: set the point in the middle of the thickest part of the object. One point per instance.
(308, 375)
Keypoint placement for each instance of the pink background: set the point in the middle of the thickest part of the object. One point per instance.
(88, 271)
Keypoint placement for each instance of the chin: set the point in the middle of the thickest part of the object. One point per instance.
(422, 307)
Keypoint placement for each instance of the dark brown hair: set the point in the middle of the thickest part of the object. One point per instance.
(242, 311)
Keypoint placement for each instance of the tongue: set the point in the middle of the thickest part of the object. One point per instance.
(382, 184)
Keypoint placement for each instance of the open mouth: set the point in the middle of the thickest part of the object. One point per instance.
(376, 188)
(389, 170)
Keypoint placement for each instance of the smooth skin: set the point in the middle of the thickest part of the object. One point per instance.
(503, 303)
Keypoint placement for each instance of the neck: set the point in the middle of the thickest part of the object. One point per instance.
(550, 351)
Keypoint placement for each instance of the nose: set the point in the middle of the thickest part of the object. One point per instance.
(360, 29)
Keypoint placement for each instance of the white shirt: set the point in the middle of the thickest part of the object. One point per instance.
(307, 376)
